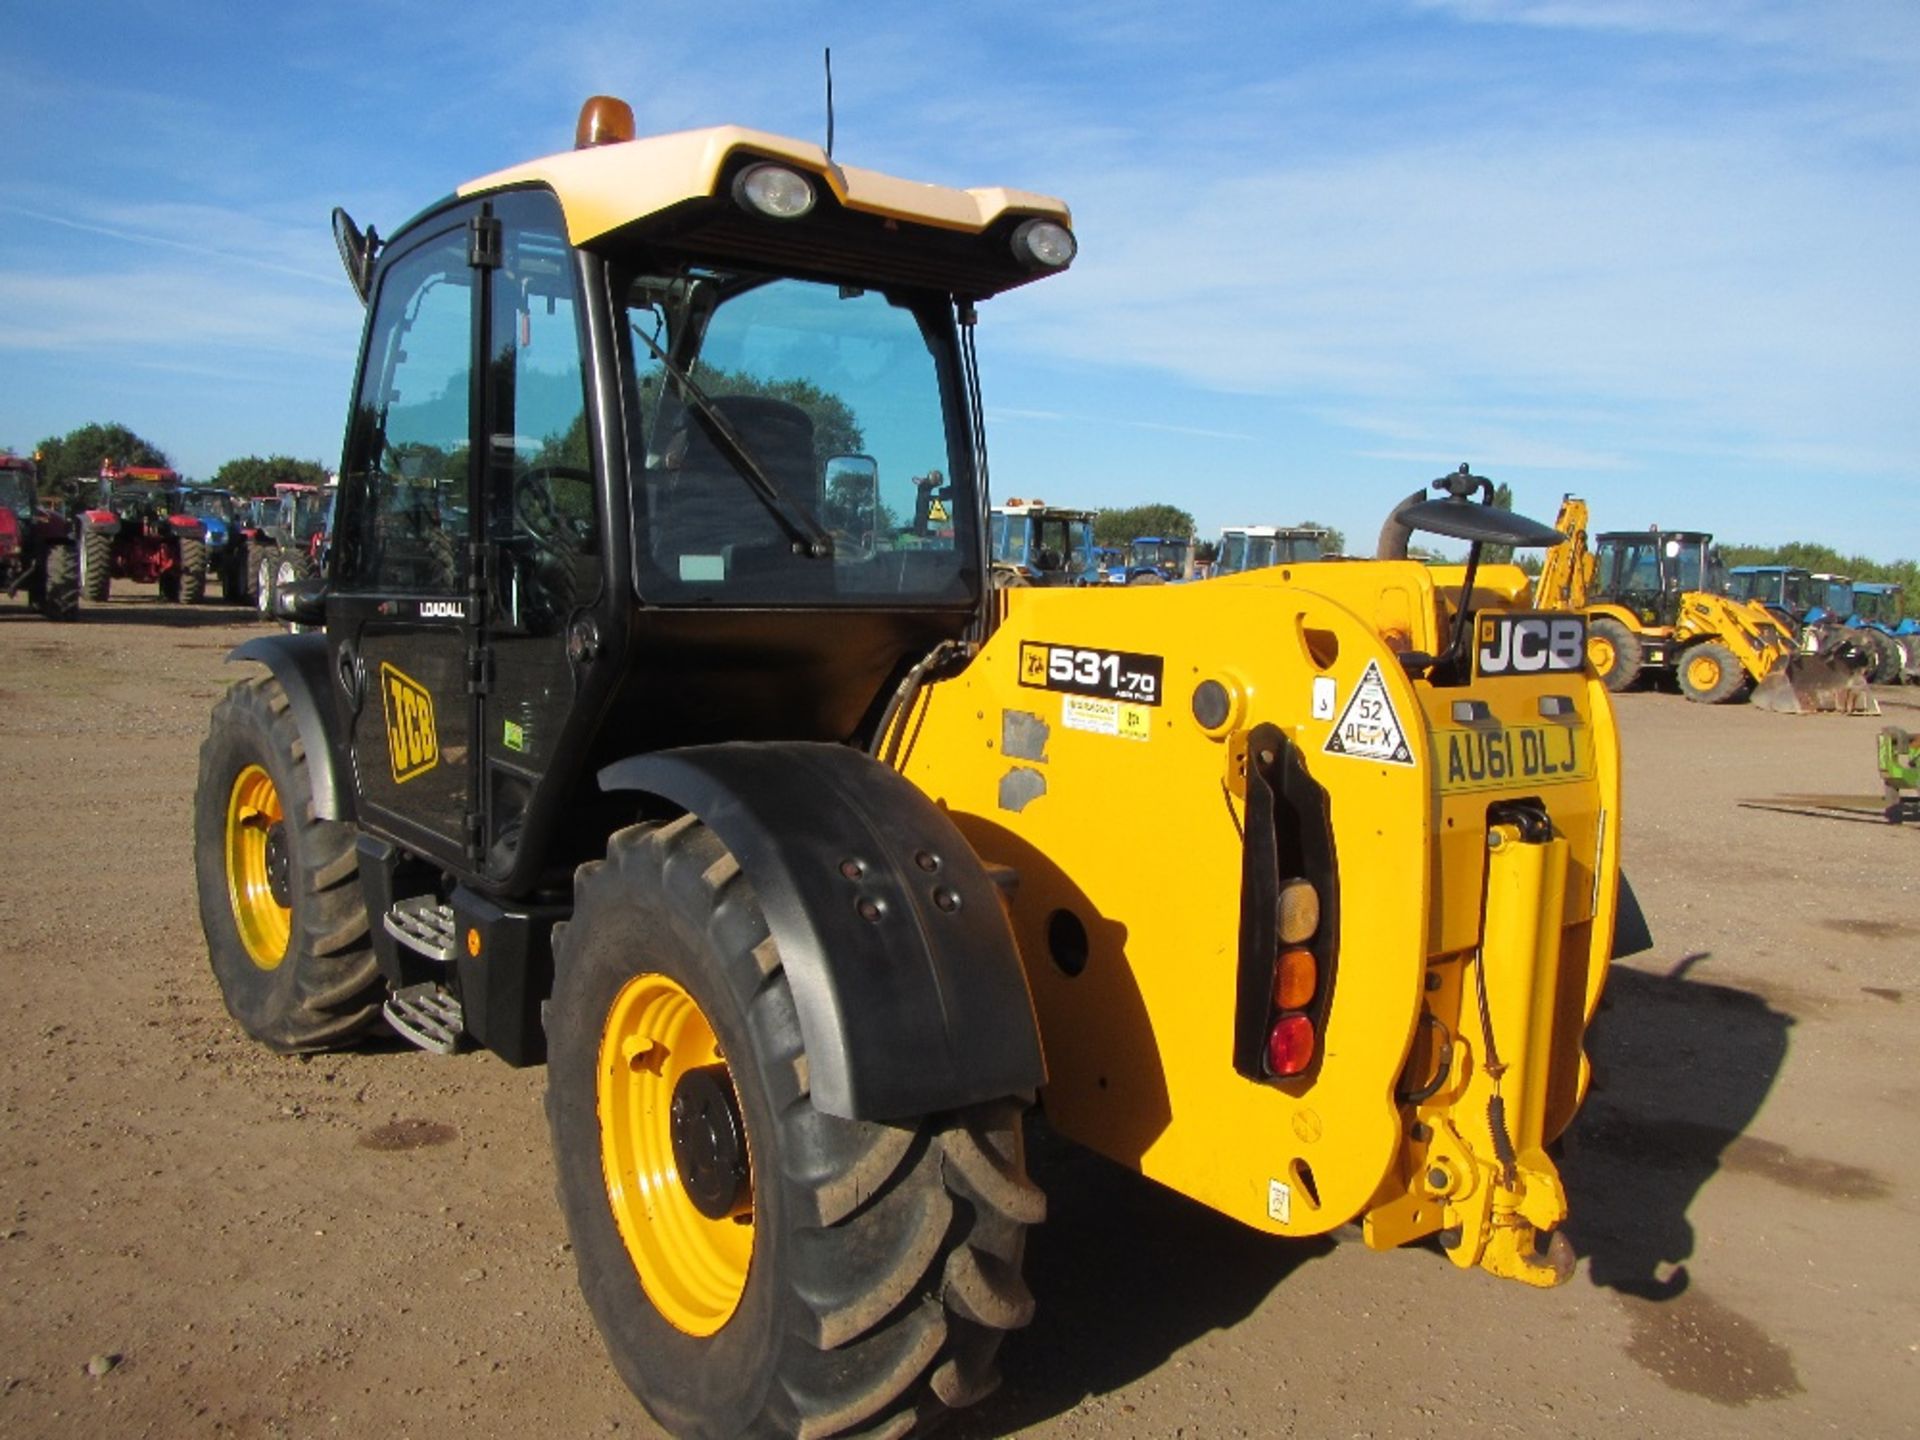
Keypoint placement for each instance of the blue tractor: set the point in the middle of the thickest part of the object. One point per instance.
(229, 555)
(1879, 606)
(1787, 590)
(1157, 559)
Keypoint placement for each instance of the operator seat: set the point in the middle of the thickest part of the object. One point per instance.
(706, 525)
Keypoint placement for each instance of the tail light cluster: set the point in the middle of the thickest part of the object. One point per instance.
(1289, 944)
(1291, 1038)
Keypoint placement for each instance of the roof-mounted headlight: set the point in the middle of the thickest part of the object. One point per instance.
(774, 191)
(1044, 245)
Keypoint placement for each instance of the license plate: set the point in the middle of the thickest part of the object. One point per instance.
(1529, 643)
(1511, 757)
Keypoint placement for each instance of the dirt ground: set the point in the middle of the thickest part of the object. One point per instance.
(199, 1238)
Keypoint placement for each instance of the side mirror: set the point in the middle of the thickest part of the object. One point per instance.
(356, 251)
(853, 494)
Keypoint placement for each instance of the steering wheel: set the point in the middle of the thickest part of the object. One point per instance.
(535, 512)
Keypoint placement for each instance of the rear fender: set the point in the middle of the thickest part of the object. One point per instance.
(902, 962)
(299, 663)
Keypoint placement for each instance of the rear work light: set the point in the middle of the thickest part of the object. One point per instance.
(774, 191)
(1044, 245)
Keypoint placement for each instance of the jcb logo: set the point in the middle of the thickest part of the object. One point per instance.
(413, 746)
(1529, 644)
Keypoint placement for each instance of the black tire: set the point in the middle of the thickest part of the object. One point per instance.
(323, 988)
(193, 571)
(1618, 658)
(59, 597)
(96, 565)
(266, 563)
(1886, 658)
(236, 574)
(885, 1258)
(1710, 673)
(1147, 577)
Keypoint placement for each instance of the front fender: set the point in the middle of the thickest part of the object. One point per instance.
(299, 663)
(902, 963)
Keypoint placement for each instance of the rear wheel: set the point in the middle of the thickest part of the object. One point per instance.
(280, 898)
(59, 597)
(1710, 673)
(96, 565)
(193, 571)
(1614, 652)
(756, 1266)
(1886, 658)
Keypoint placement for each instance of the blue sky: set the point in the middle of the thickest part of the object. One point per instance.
(1662, 254)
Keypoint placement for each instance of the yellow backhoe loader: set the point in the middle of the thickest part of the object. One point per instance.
(1655, 603)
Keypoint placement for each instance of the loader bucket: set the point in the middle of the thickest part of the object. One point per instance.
(1816, 684)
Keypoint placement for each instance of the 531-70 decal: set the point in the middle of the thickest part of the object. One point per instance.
(1083, 670)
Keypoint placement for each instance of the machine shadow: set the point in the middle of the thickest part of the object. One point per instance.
(1100, 1325)
(1686, 1066)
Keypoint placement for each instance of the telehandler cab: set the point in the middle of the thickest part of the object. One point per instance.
(712, 770)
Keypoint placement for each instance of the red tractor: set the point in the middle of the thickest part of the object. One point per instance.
(37, 552)
(138, 530)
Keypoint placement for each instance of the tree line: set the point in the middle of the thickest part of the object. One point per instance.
(69, 463)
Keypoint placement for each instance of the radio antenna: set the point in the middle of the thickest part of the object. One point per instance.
(829, 102)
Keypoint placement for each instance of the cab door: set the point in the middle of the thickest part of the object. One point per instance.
(402, 614)
(541, 527)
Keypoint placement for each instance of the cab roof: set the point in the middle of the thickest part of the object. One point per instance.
(604, 187)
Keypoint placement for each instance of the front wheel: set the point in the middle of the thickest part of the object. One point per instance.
(280, 897)
(756, 1266)
(1614, 651)
(1710, 673)
(96, 565)
(193, 571)
(59, 597)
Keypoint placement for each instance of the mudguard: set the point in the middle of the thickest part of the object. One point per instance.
(902, 962)
(1631, 933)
(299, 663)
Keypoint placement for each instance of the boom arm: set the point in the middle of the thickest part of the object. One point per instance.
(1567, 574)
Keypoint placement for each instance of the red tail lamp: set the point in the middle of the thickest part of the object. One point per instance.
(1290, 1045)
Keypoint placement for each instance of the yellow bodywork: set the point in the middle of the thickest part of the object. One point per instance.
(1129, 817)
(607, 186)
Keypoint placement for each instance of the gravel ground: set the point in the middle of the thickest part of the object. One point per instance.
(200, 1238)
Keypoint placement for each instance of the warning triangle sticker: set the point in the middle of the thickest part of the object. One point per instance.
(1368, 729)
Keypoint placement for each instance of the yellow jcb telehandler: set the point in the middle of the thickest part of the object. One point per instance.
(655, 718)
(1656, 603)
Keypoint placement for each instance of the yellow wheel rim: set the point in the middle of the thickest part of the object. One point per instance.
(1600, 654)
(1703, 671)
(256, 867)
(693, 1268)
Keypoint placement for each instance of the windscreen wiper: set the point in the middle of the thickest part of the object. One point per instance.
(809, 537)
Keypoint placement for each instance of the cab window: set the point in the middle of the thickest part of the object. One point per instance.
(404, 502)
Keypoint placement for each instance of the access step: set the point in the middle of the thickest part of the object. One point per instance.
(427, 1015)
(425, 925)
